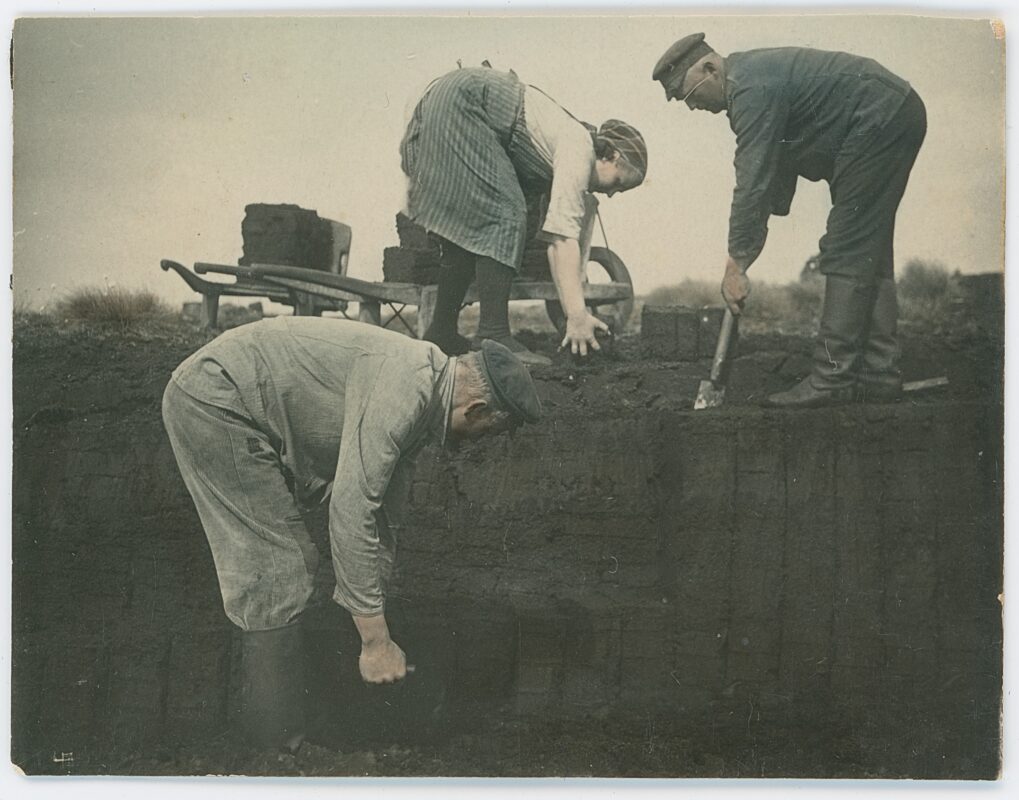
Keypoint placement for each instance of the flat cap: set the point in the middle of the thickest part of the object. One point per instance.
(672, 66)
(510, 381)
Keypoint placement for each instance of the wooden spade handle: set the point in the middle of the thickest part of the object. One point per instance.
(729, 324)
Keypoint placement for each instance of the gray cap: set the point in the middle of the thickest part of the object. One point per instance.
(672, 67)
(510, 381)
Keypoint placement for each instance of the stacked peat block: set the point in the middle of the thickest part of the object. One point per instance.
(680, 333)
(416, 260)
(288, 235)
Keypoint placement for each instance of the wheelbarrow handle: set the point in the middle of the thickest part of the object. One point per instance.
(241, 271)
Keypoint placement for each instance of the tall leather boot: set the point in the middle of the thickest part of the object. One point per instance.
(456, 278)
(879, 379)
(494, 282)
(847, 310)
(273, 691)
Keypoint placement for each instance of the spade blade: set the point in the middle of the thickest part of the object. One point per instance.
(711, 392)
(709, 396)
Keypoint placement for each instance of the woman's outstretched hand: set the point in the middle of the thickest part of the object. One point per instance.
(581, 333)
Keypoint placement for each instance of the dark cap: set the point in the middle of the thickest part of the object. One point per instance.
(672, 66)
(510, 381)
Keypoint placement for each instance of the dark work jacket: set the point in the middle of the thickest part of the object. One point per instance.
(797, 111)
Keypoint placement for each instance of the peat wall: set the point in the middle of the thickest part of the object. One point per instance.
(836, 569)
(837, 565)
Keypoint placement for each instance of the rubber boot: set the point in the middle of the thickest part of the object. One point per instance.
(879, 379)
(273, 690)
(456, 278)
(494, 281)
(848, 305)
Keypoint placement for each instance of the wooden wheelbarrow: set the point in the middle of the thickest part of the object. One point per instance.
(312, 291)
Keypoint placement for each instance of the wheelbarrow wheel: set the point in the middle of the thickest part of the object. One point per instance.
(603, 264)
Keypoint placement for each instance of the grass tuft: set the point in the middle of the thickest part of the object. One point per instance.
(112, 307)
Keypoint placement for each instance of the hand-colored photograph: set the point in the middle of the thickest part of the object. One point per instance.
(532, 396)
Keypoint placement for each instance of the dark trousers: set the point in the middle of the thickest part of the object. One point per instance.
(494, 280)
(868, 182)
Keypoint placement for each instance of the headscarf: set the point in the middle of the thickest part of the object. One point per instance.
(624, 138)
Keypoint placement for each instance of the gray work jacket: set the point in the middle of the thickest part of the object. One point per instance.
(797, 112)
(347, 407)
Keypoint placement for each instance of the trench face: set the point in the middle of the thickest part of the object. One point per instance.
(675, 562)
(824, 575)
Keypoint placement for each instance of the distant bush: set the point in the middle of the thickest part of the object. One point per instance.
(789, 308)
(786, 308)
(924, 280)
(694, 294)
(112, 307)
(925, 292)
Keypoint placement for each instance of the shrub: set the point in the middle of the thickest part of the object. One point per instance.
(112, 307)
(925, 290)
(790, 308)
(691, 293)
(924, 280)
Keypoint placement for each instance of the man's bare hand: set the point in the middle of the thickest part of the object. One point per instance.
(580, 333)
(735, 287)
(383, 662)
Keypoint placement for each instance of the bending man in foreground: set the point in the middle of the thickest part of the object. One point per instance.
(823, 116)
(287, 413)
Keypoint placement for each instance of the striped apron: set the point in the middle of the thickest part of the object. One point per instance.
(471, 163)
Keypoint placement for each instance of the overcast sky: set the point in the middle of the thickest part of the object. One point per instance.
(141, 139)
